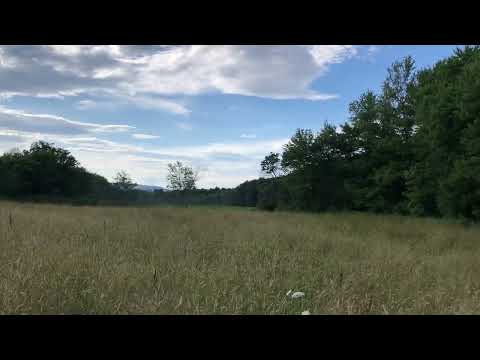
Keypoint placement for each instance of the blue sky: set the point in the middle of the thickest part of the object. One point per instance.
(220, 109)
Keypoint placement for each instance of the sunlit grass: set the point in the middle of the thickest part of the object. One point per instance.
(93, 260)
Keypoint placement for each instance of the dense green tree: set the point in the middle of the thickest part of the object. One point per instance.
(271, 165)
(12, 166)
(442, 180)
(412, 148)
(47, 171)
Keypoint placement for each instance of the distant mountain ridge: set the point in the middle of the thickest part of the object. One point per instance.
(149, 188)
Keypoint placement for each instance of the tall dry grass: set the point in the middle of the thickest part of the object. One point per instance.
(92, 260)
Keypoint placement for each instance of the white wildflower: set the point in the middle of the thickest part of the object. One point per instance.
(306, 312)
(298, 294)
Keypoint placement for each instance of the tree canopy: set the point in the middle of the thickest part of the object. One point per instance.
(181, 177)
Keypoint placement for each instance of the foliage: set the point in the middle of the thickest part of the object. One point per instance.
(181, 177)
(412, 148)
(45, 170)
(271, 165)
(124, 182)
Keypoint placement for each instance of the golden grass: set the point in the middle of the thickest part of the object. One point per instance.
(159, 260)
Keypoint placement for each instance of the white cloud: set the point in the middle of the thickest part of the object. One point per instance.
(147, 74)
(372, 49)
(52, 124)
(368, 53)
(231, 151)
(5, 62)
(104, 73)
(14, 137)
(68, 50)
(145, 136)
(151, 102)
(331, 54)
(93, 144)
(86, 104)
(146, 102)
(248, 136)
(278, 72)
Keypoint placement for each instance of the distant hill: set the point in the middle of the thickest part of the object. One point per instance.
(149, 188)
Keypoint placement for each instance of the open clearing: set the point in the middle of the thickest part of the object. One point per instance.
(167, 260)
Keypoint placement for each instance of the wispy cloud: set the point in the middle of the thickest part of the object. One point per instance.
(369, 53)
(248, 136)
(86, 104)
(145, 136)
(154, 102)
(373, 49)
(47, 123)
(116, 101)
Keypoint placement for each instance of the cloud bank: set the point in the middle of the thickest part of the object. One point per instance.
(159, 76)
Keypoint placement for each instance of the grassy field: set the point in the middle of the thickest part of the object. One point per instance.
(91, 260)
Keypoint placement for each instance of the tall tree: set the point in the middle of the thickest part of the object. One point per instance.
(447, 106)
(181, 178)
(123, 181)
(271, 165)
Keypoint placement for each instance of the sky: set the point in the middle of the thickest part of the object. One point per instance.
(219, 109)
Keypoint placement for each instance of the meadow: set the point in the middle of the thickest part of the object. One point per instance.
(59, 259)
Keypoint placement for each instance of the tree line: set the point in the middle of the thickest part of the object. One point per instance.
(45, 170)
(48, 173)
